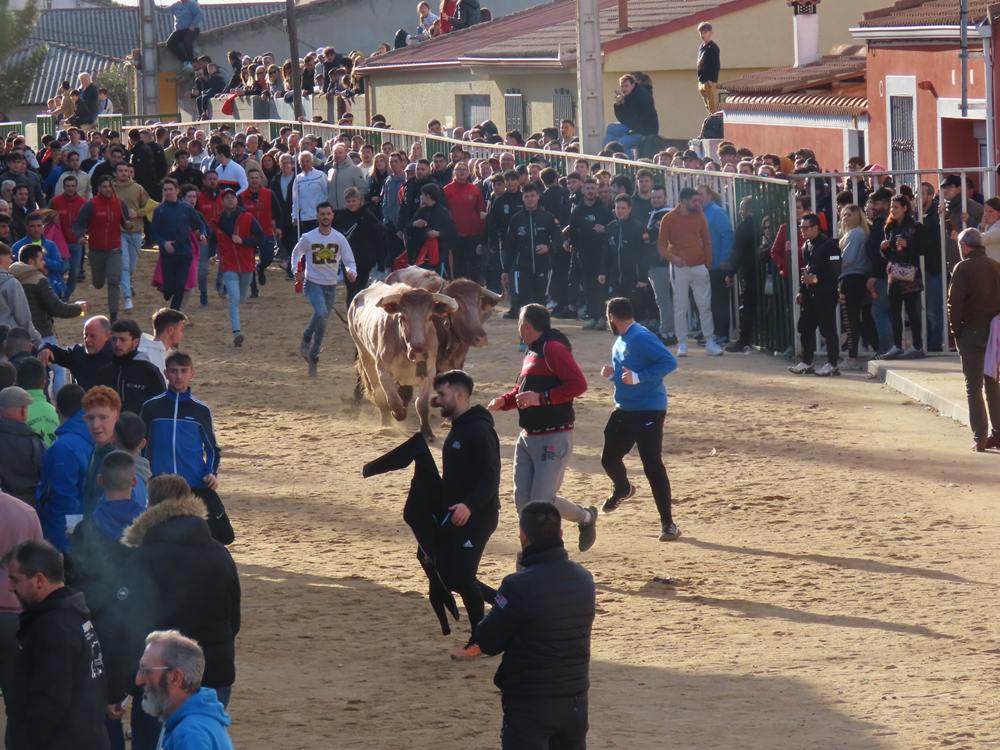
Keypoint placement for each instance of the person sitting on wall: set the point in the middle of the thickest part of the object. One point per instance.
(636, 113)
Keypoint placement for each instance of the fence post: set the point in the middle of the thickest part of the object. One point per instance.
(793, 253)
(44, 125)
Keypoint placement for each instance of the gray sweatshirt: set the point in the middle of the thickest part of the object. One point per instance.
(854, 259)
(14, 310)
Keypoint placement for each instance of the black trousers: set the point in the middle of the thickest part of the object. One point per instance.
(181, 44)
(353, 287)
(911, 302)
(720, 302)
(972, 348)
(642, 429)
(175, 272)
(544, 723)
(860, 323)
(464, 261)
(819, 310)
(559, 286)
(460, 548)
(530, 287)
(748, 307)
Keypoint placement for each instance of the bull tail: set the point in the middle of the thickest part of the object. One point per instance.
(364, 387)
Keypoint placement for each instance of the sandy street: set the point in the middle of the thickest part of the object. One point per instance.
(835, 586)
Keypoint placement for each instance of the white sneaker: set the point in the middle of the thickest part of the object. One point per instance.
(800, 369)
(128, 305)
(912, 353)
(712, 349)
(682, 349)
(893, 353)
(827, 370)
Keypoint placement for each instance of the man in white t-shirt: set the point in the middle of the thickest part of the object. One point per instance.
(324, 249)
(168, 333)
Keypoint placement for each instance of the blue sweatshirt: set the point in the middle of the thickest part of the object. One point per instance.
(188, 15)
(200, 723)
(64, 472)
(720, 228)
(639, 350)
(179, 437)
(54, 263)
(174, 222)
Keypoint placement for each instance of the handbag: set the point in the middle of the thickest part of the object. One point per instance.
(902, 272)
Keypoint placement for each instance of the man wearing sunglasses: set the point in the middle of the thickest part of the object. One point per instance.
(818, 298)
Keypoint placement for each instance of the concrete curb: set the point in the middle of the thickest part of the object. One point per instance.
(900, 380)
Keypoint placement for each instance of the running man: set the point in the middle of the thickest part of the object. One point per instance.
(639, 362)
(550, 379)
(324, 249)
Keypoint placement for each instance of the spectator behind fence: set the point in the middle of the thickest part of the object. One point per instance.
(636, 113)
(973, 302)
(902, 248)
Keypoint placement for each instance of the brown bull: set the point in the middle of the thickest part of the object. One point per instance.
(462, 330)
(397, 346)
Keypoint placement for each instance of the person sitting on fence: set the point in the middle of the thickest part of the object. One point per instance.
(636, 113)
(189, 19)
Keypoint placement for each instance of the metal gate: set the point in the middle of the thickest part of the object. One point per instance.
(563, 107)
(901, 133)
(514, 111)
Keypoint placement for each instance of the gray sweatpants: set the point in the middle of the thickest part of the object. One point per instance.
(106, 267)
(659, 278)
(539, 466)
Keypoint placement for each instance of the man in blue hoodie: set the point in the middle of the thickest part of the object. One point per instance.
(639, 362)
(170, 673)
(720, 229)
(173, 222)
(64, 470)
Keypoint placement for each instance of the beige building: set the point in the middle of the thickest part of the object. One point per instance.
(520, 70)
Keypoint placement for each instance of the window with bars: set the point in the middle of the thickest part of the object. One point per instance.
(563, 106)
(514, 112)
(901, 134)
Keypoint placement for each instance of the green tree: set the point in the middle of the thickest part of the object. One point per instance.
(19, 65)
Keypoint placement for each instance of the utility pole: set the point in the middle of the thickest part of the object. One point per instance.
(148, 83)
(589, 76)
(293, 44)
(963, 20)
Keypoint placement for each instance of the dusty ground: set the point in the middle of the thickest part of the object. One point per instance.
(835, 586)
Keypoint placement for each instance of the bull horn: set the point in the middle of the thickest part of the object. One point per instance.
(491, 296)
(390, 300)
(444, 299)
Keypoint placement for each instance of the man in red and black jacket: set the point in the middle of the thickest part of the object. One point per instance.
(102, 220)
(550, 379)
(258, 200)
(210, 207)
(68, 205)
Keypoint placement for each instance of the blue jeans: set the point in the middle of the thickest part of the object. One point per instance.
(621, 133)
(131, 242)
(237, 288)
(75, 263)
(882, 316)
(58, 373)
(204, 252)
(266, 251)
(935, 300)
(321, 297)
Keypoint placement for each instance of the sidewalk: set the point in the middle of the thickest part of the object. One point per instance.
(935, 381)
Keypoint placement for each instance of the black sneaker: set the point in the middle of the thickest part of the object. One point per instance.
(254, 293)
(669, 532)
(564, 313)
(262, 277)
(588, 530)
(204, 299)
(613, 502)
(304, 348)
(238, 340)
(313, 366)
(669, 339)
(737, 347)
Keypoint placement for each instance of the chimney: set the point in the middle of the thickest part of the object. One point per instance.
(806, 31)
(623, 26)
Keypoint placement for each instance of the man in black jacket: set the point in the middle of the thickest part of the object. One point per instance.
(135, 380)
(878, 283)
(624, 267)
(541, 621)
(471, 486)
(587, 229)
(818, 297)
(58, 697)
(84, 360)
(532, 236)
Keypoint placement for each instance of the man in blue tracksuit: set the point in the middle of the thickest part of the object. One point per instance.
(180, 440)
(639, 362)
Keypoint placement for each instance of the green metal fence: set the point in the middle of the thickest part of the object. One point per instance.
(44, 125)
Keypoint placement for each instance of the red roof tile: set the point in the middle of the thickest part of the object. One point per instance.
(925, 13)
(548, 32)
(820, 74)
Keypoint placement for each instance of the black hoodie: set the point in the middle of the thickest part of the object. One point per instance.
(471, 454)
(135, 380)
(58, 697)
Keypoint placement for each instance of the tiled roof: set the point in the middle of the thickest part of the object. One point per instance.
(115, 31)
(274, 15)
(925, 13)
(61, 63)
(852, 106)
(549, 32)
(823, 73)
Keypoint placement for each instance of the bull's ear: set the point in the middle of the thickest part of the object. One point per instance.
(391, 303)
(488, 300)
(444, 305)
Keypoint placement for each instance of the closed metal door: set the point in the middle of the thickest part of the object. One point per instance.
(475, 110)
(901, 134)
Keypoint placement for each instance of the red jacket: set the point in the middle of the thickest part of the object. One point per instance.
(68, 209)
(232, 257)
(209, 206)
(779, 256)
(104, 225)
(261, 208)
(550, 370)
(465, 201)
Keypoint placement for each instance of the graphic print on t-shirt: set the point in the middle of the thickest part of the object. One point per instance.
(325, 254)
